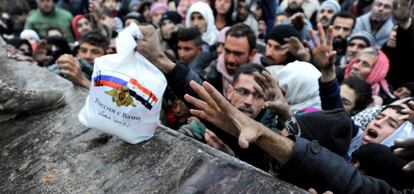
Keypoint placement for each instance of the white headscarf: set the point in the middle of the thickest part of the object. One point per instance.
(299, 81)
(406, 130)
(210, 35)
(29, 33)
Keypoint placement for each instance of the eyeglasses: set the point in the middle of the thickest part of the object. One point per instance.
(245, 93)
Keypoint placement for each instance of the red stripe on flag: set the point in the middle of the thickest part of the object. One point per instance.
(107, 83)
(144, 90)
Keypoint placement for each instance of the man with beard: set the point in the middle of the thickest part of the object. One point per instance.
(284, 45)
(239, 48)
(343, 23)
(377, 22)
(400, 54)
(48, 15)
(245, 10)
(326, 12)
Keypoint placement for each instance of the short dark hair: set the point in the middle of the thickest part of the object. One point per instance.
(362, 90)
(95, 38)
(17, 42)
(190, 34)
(344, 15)
(247, 69)
(243, 30)
(54, 28)
(396, 107)
(136, 16)
(410, 87)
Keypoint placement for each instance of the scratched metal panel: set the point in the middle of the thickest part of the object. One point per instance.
(51, 152)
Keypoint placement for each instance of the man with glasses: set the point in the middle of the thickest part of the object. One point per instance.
(378, 22)
(243, 92)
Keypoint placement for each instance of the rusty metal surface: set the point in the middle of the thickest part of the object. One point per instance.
(51, 152)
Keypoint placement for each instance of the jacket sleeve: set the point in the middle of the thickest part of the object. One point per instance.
(330, 95)
(323, 170)
(179, 80)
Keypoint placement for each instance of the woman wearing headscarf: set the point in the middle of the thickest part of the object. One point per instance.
(157, 9)
(201, 16)
(299, 82)
(372, 65)
(80, 25)
(31, 36)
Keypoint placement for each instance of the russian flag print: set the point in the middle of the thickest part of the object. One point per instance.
(118, 81)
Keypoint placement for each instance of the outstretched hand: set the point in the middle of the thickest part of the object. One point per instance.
(216, 109)
(298, 20)
(322, 51)
(295, 46)
(71, 69)
(405, 149)
(215, 142)
(408, 111)
(273, 95)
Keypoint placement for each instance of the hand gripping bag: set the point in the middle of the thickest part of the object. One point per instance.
(126, 92)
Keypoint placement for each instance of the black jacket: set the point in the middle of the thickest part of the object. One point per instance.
(312, 165)
(401, 63)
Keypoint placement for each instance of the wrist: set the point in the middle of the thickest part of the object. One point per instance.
(304, 55)
(85, 83)
(285, 116)
(164, 63)
(328, 74)
(329, 69)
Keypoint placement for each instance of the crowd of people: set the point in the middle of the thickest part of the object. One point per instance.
(318, 93)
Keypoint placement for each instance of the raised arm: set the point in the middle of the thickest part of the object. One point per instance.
(324, 58)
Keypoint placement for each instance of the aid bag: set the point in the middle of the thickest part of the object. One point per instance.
(126, 92)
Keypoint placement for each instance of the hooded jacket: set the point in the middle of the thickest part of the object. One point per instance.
(210, 35)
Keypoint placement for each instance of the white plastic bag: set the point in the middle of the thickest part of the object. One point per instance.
(126, 92)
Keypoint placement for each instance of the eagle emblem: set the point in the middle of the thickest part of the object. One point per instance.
(121, 96)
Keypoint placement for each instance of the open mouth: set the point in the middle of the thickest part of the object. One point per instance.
(372, 134)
